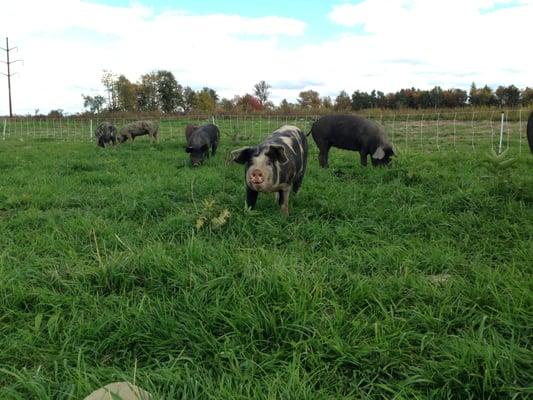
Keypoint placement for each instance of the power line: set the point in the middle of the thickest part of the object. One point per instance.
(9, 74)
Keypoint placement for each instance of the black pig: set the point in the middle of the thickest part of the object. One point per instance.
(199, 142)
(275, 165)
(352, 132)
(105, 133)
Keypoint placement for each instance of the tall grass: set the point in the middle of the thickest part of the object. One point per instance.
(406, 282)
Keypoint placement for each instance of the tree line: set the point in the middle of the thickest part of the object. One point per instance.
(159, 91)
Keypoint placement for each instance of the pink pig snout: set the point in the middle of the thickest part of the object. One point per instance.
(256, 177)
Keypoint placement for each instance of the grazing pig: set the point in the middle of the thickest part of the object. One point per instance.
(189, 129)
(530, 131)
(275, 165)
(199, 142)
(139, 128)
(105, 133)
(351, 132)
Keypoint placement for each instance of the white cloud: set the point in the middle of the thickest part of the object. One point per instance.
(452, 42)
(66, 44)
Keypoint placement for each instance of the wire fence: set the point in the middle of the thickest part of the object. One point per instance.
(428, 131)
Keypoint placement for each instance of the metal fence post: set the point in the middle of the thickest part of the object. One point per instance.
(501, 133)
(5, 125)
(520, 132)
(454, 130)
(421, 123)
(406, 127)
(472, 124)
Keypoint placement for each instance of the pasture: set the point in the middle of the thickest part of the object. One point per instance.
(124, 263)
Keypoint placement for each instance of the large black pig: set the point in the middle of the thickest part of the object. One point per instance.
(352, 132)
(275, 165)
(530, 131)
(199, 142)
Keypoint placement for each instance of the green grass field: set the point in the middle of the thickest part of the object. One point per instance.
(408, 282)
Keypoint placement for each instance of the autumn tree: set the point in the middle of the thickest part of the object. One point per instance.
(481, 97)
(226, 105)
(527, 96)
(248, 103)
(206, 100)
(453, 98)
(285, 107)
(508, 96)
(126, 94)
(309, 99)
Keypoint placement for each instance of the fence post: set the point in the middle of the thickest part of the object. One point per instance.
(520, 130)
(438, 126)
(472, 124)
(392, 128)
(454, 130)
(508, 129)
(421, 122)
(491, 131)
(5, 125)
(406, 127)
(501, 133)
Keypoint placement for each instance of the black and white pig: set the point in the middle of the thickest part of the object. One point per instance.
(199, 142)
(352, 132)
(275, 165)
(105, 133)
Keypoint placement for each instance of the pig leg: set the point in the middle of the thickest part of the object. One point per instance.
(297, 183)
(283, 200)
(363, 155)
(213, 149)
(251, 197)
(323, 155)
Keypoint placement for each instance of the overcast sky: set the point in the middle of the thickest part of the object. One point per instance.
(294, 45)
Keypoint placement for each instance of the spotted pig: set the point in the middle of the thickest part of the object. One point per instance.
(276, 165)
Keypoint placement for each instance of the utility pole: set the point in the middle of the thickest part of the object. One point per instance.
(8, 63)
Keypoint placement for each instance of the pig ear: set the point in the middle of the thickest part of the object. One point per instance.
(242, 155)
(278, 153)
(378, 154)
(188, 150)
